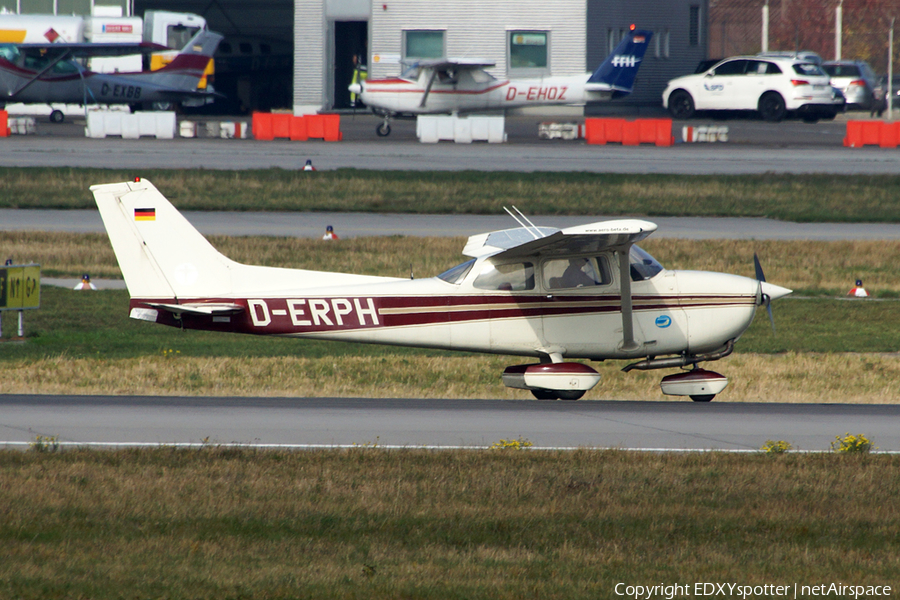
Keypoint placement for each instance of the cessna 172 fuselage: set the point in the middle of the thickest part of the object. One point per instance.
(436, 86)
(554, 295)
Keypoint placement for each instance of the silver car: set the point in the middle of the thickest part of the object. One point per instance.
(857, 80)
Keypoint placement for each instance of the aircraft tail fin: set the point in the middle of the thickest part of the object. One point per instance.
(618, 71)
(160, 253)
(190, 64)
(163, 256)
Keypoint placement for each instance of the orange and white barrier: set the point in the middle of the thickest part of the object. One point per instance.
(629, 133)
(560, 131)
(269, 126)
(704, 133)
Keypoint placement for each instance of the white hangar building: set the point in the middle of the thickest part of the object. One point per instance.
(298, 54)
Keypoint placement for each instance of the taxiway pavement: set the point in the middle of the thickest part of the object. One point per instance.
(110, 421)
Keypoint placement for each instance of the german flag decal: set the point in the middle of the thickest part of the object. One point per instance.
(145, 214)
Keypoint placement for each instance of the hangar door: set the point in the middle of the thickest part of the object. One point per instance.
(255, 61)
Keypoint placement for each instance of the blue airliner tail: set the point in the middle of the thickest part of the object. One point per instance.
(618, 71)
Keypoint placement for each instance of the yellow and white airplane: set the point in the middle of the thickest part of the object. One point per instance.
(437, 86)
(585, 292)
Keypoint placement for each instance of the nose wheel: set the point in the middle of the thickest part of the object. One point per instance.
(384, 129)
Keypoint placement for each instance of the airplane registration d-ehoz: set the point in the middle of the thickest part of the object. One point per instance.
(586, 292)
(459, 85)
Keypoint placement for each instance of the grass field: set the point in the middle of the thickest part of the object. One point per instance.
(369, 523)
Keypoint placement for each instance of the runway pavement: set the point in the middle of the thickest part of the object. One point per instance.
(109, 421)
(753, 147)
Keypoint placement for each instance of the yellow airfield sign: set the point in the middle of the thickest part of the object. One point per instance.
(20, 287)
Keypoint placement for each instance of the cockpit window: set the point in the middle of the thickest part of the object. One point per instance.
(575, 273)
(643, 266)
(512, 277)
(10, 53)
(410, 72)
(457, 273)
(480, 76)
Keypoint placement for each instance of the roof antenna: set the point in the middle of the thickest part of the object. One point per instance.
(527, 225)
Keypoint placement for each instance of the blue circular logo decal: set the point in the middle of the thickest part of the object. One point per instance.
(663, 321)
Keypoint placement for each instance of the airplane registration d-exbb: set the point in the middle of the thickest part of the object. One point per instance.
(584, 292)
(435, 86)
(48, 73)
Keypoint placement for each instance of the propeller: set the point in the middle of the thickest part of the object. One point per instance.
(764, 298)
(768, 291)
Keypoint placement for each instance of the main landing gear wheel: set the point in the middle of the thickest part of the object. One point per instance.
(703, 397)
(383, 130)
(57, 116)
(557, 395)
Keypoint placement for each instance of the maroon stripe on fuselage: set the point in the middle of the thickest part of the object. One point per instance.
(319, 314)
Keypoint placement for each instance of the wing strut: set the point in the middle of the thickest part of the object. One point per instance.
(628, 343)
(64, 55)
(428, 88)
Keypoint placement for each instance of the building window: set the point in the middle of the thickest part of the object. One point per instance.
(661, 44)
(613, 37)
(529, 53)
(694, 27)
(423, 44)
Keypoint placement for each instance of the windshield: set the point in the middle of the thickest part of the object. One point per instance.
(411, 72)
(842, 70)
(643, 266)
(457, 273)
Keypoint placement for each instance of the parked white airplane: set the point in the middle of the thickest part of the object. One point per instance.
(435, 86)
(584, 292)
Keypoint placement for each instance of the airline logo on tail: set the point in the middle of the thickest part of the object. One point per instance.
(625, 61)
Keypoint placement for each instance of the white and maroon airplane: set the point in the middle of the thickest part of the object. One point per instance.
(47, 73)
(553, 295)
(436, 86)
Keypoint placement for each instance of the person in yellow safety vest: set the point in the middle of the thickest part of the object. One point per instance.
(360, 73)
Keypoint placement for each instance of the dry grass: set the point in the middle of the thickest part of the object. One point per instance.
(790, 378)
(815, 267)
(218, 523)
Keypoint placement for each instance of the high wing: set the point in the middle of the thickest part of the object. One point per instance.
(88, 50)
(545, 241)
(442, 64)
(618, 235)
(448, 65)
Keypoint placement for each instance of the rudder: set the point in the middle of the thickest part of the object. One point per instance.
(160, 253)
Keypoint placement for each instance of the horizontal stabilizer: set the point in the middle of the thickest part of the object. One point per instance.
(199, 309)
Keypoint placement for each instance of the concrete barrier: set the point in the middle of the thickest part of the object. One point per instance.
(704, 133)
(431, 129)
(101, 124)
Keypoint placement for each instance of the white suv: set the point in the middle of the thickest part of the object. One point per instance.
(773, 86)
